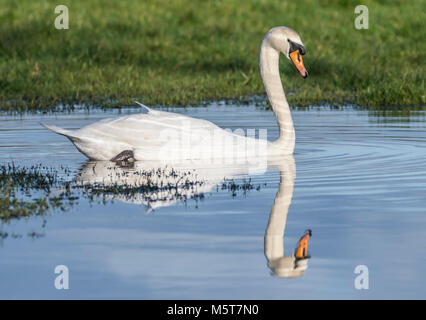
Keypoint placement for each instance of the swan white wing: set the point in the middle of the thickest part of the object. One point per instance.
(145, 129)
(149, 134)
(155, 135)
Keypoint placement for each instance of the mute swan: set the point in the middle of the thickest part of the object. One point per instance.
(160, 135)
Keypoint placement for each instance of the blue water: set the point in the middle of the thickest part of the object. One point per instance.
(360, 187)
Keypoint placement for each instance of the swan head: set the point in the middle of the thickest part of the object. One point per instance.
(288, 42)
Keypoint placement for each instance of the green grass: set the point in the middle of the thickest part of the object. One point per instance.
(180, 52)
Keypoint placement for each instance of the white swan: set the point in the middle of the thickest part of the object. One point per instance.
(160, 135)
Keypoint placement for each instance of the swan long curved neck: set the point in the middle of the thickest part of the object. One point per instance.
(269, 70)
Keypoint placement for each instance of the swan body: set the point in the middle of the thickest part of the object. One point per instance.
(155, 135)
(160, 135)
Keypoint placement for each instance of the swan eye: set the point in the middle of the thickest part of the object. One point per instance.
(296, 47)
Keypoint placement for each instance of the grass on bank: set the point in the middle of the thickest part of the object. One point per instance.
(180, 52)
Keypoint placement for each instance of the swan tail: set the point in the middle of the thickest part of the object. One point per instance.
(67, 133)
(143, 106)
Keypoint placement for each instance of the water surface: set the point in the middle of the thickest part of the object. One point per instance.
(360, 185)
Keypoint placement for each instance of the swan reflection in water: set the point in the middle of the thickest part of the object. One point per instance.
(156, 186)
(281, 265)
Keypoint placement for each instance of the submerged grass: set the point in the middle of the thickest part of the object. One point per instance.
(26, 191)
(38, 190)
(181, 52)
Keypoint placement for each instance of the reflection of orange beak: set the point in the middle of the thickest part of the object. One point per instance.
(296, 57)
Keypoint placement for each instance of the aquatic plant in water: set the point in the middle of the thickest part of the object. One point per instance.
(27, 191)
(37, 190)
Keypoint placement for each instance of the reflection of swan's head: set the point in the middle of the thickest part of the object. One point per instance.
(288, 267)
(288, 42)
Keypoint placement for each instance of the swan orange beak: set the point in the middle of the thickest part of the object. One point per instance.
(296, 57)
